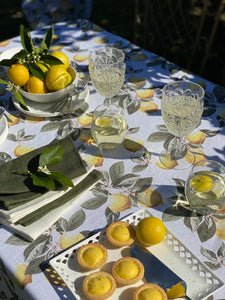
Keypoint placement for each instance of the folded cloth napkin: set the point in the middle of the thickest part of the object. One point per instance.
(17, 189)
(46, 218)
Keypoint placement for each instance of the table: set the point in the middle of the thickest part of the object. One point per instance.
(134, 176)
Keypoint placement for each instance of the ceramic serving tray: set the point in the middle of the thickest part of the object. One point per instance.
(201, 281)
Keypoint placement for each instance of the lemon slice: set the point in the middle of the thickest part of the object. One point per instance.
(201, 183)
(104, 121)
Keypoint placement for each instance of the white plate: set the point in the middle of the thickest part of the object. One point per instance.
(7, 54)
(201, 281)
(3, 129)
(47, 109)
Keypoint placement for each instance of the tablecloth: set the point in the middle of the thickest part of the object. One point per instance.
(134, 176)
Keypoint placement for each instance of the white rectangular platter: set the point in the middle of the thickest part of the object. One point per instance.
(201, 281)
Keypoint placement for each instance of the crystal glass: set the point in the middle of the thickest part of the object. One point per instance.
(182, 107)
(205, 187)
(107, 71)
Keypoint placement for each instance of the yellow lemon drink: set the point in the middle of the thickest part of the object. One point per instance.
(108, 131)
(205, 190)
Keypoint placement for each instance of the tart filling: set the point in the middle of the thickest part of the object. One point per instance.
(92, 256)
(149, 291)
(128, 270)
(99, 286)
(120, 234)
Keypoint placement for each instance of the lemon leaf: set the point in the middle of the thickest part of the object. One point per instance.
(50, 156)
(42, 179)
(48, 37)
(61, 178)
(36, 71)
(51, 60)
(26, 39)
(21, 101)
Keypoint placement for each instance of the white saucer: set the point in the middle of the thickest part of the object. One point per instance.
(47, 109)
(3, 129)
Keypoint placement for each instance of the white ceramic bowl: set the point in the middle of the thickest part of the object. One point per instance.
(52, 96)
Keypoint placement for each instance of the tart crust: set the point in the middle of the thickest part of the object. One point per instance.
(99, 297)
(123, 281)
(115, 242)
(147, 286)
(81, 261)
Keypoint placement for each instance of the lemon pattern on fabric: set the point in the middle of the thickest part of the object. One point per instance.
(201, 183)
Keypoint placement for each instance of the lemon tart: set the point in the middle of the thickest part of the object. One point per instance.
(149, 291)
(120, 234)
(99, 286)
(92, 256)
(127, 270)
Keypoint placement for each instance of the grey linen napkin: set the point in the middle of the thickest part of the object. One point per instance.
(17, 189)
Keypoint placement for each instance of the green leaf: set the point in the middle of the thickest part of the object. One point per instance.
(26, 39)
(21, 101)
(158, 137)
(42, 179)
(36, 71)
(50, 156)
(3, 81)
(61, 178)
(48, 37)
(51, 60)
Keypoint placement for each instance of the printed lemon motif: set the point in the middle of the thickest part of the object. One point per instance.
(101, 40)
(133, 145)
(85, 120)
(220, 229)
(136, 80)
(150, 231)
(166, 163)
(31, 119)
(150, 198)
(86, 138)
(4, 43)
(118, 202)
(66, 240)
(201, 183)
(18, 74)
(197, 137)
(22, 149)
(199, 155)
(80, 58)
(103, 122)
(148, 107)
(139, 57)
(96, 159)
(12, 120)
(145, 94)
(19, 276)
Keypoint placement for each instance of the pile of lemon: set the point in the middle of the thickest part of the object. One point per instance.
(57, 77)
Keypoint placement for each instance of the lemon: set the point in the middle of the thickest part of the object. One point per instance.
(104, 121)
(63, 57)
(70, 78)
(150, 231)
(150, 293)
(18, 74)
(176, 291)
(201, 183)
(43, 66)
(36, 86)
(56, 78)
